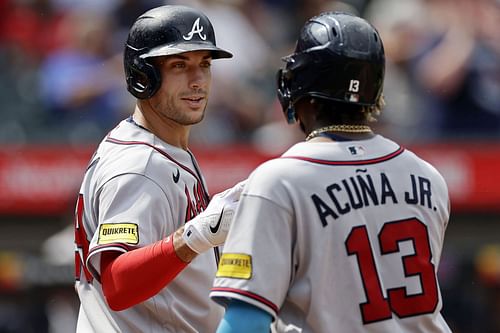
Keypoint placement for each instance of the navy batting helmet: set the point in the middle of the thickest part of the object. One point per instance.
(163, 31)
(338, 57)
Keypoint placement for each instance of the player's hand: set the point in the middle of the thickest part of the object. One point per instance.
(210, 227)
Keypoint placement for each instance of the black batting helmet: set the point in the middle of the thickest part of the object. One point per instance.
(338, 57)
(162, 31)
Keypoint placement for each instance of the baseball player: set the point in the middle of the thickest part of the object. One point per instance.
(343, 232)
(143, 232)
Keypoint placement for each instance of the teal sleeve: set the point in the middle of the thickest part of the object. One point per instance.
(242, 317)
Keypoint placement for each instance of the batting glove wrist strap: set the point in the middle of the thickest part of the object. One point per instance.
(210, 227)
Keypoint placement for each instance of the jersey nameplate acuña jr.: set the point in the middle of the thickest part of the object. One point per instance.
(340, 236)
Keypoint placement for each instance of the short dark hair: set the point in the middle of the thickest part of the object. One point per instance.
(334, 112)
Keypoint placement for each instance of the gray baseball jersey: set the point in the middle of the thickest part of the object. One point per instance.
(343, 237)
(136, 191)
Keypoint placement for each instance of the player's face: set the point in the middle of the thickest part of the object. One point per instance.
(185, 86)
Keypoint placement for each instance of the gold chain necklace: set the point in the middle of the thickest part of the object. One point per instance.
(340, 128)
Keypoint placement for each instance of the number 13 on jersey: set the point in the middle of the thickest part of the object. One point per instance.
(377, 307)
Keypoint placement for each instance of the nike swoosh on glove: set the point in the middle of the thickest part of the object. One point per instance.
(209, 229)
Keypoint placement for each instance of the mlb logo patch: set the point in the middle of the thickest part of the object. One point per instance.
(353, 98)
(356, 150)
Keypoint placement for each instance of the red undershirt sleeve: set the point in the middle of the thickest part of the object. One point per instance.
(130, 278)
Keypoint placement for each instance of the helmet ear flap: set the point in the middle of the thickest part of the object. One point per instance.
(284, 94)
(143, 79)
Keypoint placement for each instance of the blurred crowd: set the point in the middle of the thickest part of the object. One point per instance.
(62, 75)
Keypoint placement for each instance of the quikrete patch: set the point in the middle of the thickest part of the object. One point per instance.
(118, 233)
(235, 265)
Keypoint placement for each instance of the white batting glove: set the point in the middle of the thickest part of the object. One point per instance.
(210, 227)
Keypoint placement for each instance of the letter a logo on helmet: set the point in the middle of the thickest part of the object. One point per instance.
(196, 29)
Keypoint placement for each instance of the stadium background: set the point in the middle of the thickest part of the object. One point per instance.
(62, 89)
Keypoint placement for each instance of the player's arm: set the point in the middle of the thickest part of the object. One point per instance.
(243, 317)
(132, 277)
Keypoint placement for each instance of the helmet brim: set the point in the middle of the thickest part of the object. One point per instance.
(166, 50)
